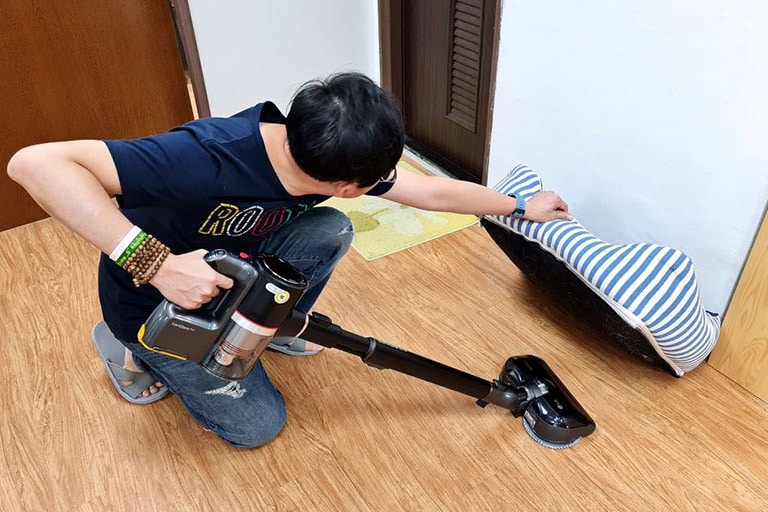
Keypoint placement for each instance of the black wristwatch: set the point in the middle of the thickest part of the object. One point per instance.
(519, 210)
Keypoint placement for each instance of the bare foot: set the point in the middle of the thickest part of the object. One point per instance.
(295, 346)
(130, 365)
(313, 347)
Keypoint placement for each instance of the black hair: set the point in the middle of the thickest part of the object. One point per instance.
(345, 128)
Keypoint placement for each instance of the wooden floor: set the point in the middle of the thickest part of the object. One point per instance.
(360, 439)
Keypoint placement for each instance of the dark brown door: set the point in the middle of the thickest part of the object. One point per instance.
(85, 69)
(447, 53)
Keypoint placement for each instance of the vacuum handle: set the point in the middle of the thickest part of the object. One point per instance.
(242, 273)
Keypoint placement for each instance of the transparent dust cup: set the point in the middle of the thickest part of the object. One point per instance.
(239, 349)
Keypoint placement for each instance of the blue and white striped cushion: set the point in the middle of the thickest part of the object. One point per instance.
(652, 287)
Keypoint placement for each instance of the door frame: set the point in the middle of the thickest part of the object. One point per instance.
(391, 68)
(391, 45)
(191, 55)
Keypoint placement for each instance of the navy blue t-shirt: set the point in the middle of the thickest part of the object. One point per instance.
(207, 184)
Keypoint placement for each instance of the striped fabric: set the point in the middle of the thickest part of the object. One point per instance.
(653, 287)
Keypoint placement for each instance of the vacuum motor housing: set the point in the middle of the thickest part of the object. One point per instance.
(228, 335)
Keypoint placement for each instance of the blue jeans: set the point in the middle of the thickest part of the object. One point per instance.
(251, 412)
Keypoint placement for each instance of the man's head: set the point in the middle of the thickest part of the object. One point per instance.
(345, 128)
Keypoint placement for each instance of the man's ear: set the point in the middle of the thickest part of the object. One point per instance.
(345, 189)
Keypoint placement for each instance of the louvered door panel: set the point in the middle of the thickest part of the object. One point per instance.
(447, 67)
(466, 52)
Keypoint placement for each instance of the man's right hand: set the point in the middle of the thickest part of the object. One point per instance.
(188, 280)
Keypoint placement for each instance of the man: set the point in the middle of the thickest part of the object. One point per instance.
(248, 183)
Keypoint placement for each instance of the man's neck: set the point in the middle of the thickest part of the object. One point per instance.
(295, 181)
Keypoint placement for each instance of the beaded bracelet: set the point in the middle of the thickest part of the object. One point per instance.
(146, 260)
(142, 256)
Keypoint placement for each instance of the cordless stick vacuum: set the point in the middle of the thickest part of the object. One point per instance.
(228, 336)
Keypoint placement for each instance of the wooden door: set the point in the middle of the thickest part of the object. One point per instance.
(741, 352)
(85, 69)
(439, 58)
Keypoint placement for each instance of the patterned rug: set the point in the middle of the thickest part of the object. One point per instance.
(383, 227)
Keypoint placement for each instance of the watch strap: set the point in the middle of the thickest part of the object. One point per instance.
(519, 211)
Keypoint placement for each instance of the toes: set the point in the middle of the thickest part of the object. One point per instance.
(151, 390)
(312, 347)
(154, 388)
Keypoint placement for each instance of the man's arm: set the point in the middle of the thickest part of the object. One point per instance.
(438, 193)
(74, 182)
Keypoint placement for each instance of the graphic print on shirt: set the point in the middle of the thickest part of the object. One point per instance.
(230, 220)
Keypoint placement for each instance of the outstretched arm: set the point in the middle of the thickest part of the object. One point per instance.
(438, 193)
(74, 182)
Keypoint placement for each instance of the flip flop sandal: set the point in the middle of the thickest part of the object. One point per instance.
(292, 346)
(112, 353)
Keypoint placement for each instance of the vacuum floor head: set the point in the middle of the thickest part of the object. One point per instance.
(551, 414)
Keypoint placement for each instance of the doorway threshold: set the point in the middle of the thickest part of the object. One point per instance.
(420, 161)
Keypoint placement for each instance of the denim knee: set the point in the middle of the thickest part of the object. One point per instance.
(257, 432)
(342, 231)
(245, 413)
(337, 222)
(244, 430)
(314, 243)
(322, 233)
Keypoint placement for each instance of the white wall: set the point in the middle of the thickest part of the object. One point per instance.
(650, 117)
(257, 50)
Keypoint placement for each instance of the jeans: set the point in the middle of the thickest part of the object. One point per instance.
(251, 412)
